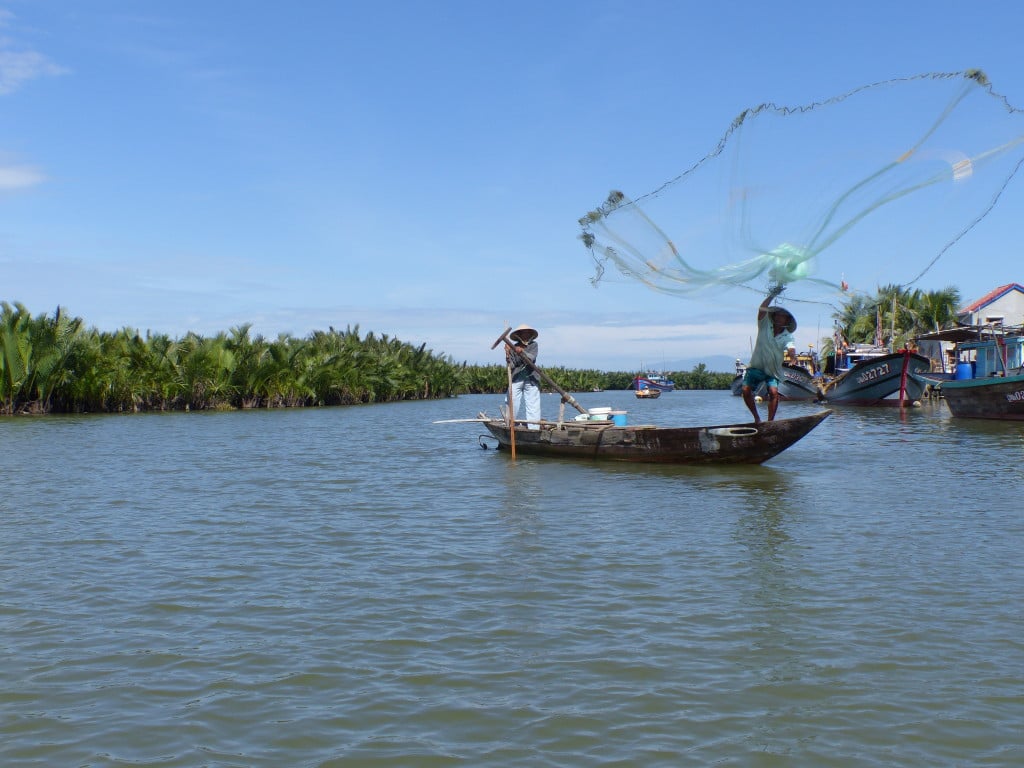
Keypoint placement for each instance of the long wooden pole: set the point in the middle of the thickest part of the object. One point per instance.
(511, 405)
(565, 395)
(511, 413)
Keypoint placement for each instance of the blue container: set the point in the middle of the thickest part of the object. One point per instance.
(964, 371)
(619, 419)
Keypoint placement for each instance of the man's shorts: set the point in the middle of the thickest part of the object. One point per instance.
(754, 376)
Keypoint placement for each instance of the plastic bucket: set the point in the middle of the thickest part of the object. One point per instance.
(964, 371)
(619, 419)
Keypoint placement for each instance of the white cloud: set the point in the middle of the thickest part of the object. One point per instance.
(19, 64)
(19, 177)
(18, 67)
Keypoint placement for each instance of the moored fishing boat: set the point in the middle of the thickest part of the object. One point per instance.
(801, 376)
(653, 380)
(876, 376)
(988, 380)
(747, 443)
(991, 398)
(798, 382)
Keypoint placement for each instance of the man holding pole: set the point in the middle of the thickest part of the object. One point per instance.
(522, 358)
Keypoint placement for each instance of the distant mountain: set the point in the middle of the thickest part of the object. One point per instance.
(713, 363)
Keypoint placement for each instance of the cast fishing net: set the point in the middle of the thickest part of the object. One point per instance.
(875, 184)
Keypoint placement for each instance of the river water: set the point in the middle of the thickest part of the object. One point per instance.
(363, 587)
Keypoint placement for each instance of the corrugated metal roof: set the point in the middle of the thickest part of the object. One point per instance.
(960, 333)
(969, 333)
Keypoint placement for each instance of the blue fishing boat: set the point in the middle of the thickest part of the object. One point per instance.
(871, 375)
(653, 380)
(988, 379)
(799, 381)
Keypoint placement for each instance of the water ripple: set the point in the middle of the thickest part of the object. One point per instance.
(360, 587)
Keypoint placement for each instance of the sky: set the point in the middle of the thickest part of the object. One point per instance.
(418, 169)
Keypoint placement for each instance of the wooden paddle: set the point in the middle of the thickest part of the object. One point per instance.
(565, 395)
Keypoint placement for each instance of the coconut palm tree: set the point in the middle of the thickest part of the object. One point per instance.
(855, 319)
(15, 362)
(936, 310)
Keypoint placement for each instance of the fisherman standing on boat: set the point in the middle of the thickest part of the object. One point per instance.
(775, 327)
(525, 380)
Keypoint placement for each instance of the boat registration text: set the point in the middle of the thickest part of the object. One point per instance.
(874, 373)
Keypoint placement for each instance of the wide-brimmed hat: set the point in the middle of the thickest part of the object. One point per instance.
(524, 333)
(786, 315)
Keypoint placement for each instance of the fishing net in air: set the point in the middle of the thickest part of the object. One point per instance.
(871, 186)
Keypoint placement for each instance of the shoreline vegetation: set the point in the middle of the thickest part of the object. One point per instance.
(52, 364)
(55, 364)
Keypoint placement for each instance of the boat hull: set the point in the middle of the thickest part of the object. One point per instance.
(653, 382)
(991, 398)
(747, 443)
(874, 381)
(797, 383)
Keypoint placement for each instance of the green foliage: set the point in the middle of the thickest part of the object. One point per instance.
(701, 378)
(33, 357)
(898, 314)
(53, 364)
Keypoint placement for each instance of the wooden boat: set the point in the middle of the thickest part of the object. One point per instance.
(614, 440)
(647, 393)
(653, 380)
(988, 381)
(875, 376)
(797, 383)
(747, 443)
(991, 398)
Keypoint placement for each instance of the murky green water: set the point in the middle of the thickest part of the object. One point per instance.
(362, 587)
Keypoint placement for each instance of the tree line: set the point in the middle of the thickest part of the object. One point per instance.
(895, 315)
(55, 364)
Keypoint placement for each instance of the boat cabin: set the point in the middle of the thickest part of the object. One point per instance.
(977, 351)
(847, 357)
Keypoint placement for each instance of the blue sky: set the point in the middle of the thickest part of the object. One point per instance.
(418, 168)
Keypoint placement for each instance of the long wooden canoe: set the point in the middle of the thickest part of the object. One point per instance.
(747, 443)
